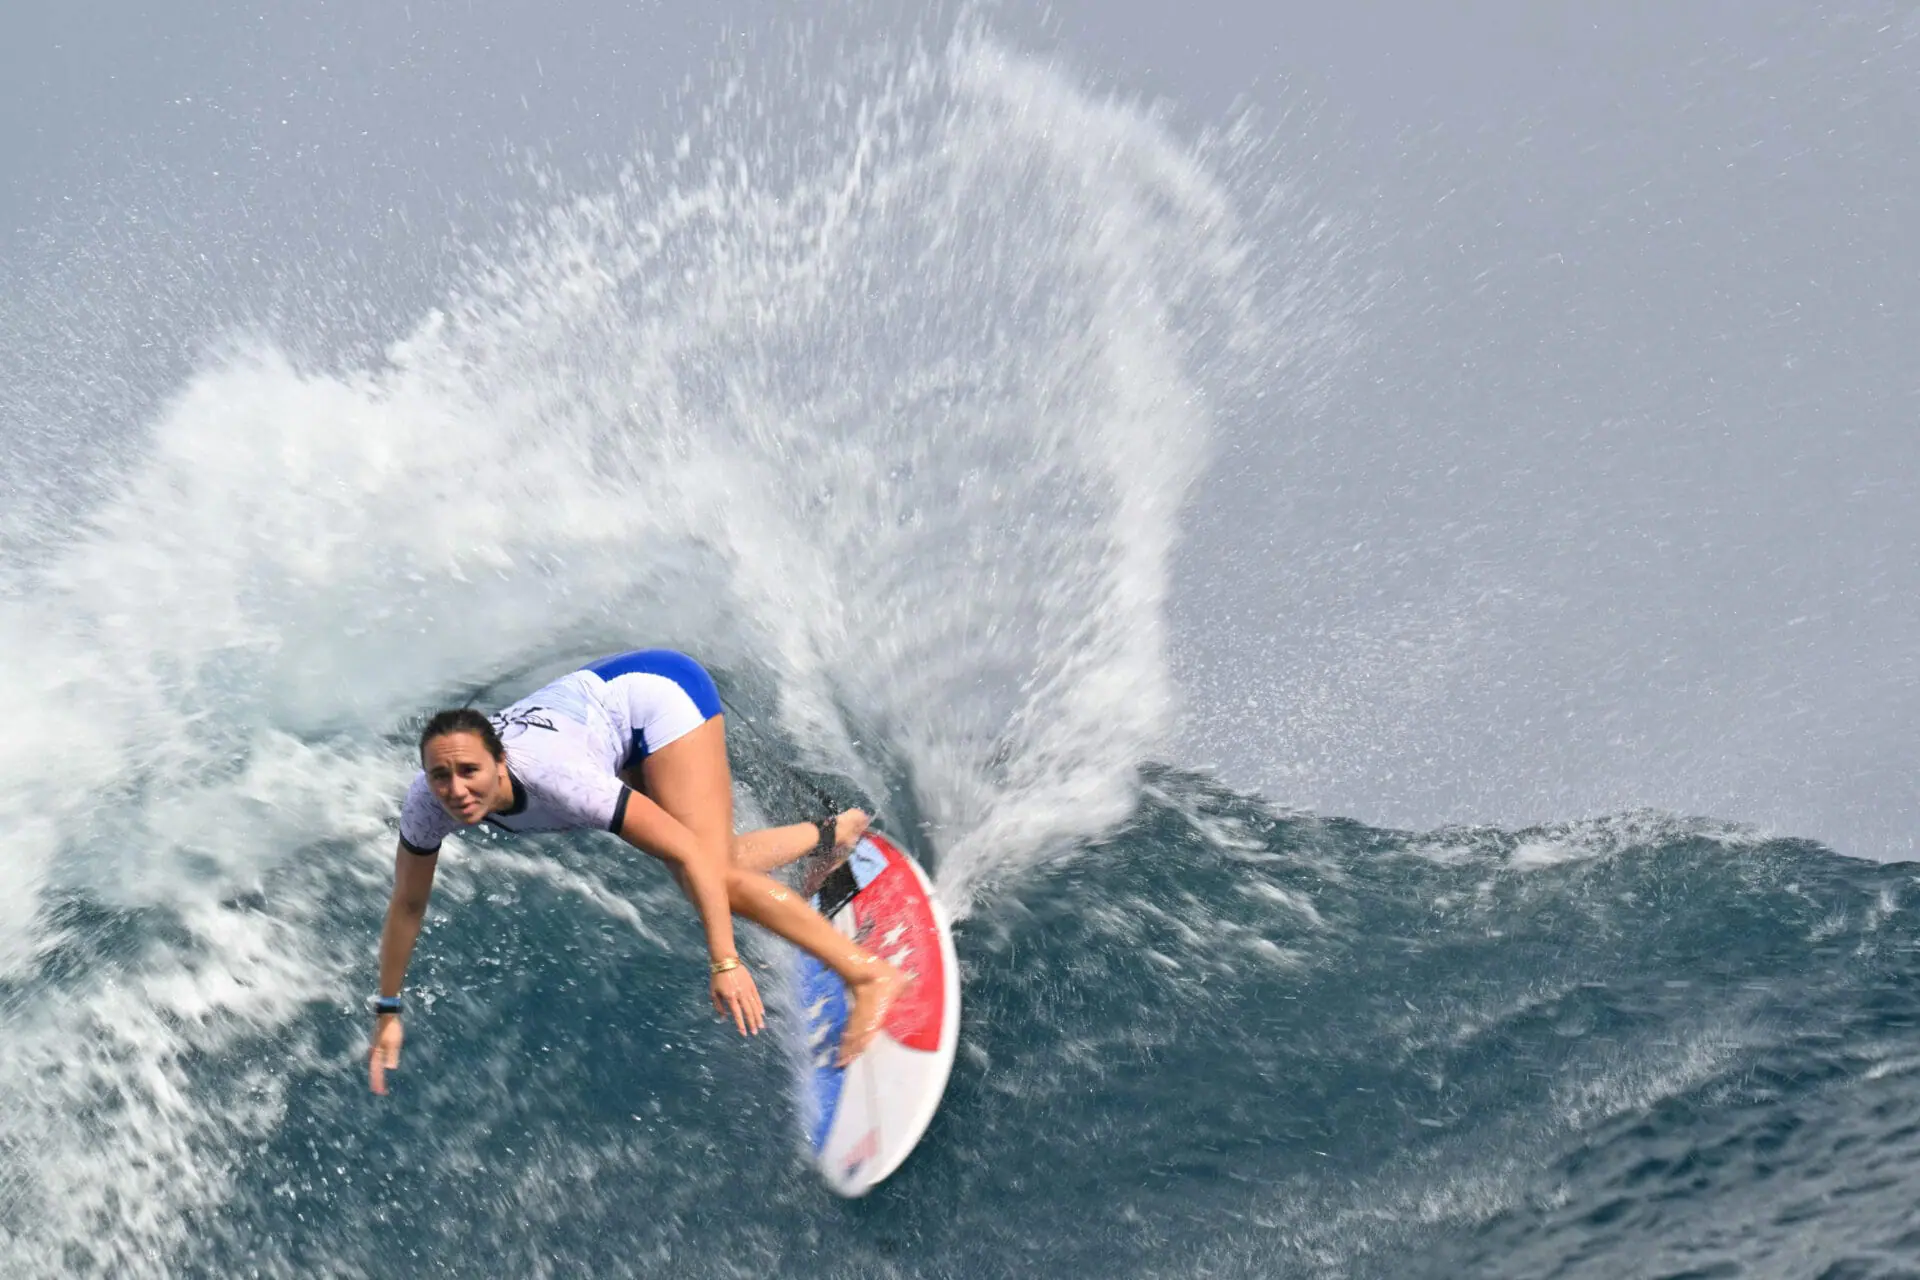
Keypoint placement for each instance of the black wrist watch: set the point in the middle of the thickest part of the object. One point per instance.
(384, 1004)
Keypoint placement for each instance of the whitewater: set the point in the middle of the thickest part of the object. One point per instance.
(887, 391)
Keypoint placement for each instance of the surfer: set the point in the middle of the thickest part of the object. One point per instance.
(635, 745)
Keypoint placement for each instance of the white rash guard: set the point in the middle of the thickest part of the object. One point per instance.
(567, 743)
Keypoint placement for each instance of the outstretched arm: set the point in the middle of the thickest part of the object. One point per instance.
(412, 885)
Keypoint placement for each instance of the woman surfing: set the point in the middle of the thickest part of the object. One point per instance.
(635, 745)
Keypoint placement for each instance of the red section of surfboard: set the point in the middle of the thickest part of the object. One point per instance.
(892, 918)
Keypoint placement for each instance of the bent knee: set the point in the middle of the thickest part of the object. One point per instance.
(748, 887)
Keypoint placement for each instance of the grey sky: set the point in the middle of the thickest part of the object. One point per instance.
(1620, 510)
(1617, 508)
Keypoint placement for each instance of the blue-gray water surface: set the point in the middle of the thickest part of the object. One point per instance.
(1291, 600)
(1215, 1041)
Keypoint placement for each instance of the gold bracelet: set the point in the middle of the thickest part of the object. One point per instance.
(727, 965)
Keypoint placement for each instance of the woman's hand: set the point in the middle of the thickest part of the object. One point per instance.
(734, 994)
(384, 1055)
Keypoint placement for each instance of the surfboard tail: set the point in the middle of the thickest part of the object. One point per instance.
(863, 1121)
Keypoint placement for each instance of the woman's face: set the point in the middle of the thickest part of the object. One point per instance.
(466, 779)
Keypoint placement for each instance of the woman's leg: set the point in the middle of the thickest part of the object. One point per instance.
(663, 695)
(772, 847)
(689, 778)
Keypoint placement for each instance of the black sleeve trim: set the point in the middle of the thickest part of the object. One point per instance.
(416, 852)
(620, 811)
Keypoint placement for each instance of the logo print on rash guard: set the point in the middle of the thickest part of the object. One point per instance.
(517, 718)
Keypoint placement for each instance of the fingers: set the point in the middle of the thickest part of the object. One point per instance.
(739, 999)
(742, 998)
(379, 1059)
(383, 1055)
(755, 1012)
(743, 1005)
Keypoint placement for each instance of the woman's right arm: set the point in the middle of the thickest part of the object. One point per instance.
(412, 885)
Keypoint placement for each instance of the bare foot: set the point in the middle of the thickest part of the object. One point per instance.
(872, 997)
(848, 826)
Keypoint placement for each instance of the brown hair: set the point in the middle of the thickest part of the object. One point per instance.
(463, 720)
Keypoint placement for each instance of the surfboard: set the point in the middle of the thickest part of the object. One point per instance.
(862, 1122)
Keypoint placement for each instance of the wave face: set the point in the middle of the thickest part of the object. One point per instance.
(885, 402)
(884, 405)
(1213, 1041)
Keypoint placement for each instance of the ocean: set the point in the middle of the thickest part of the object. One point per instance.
(887, 393)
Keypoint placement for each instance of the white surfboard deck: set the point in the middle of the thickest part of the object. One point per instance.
(861, 1123)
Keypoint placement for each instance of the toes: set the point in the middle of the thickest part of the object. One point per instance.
(863, 1028)
(852, 825)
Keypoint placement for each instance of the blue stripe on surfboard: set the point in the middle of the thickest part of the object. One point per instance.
(824, 1003)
